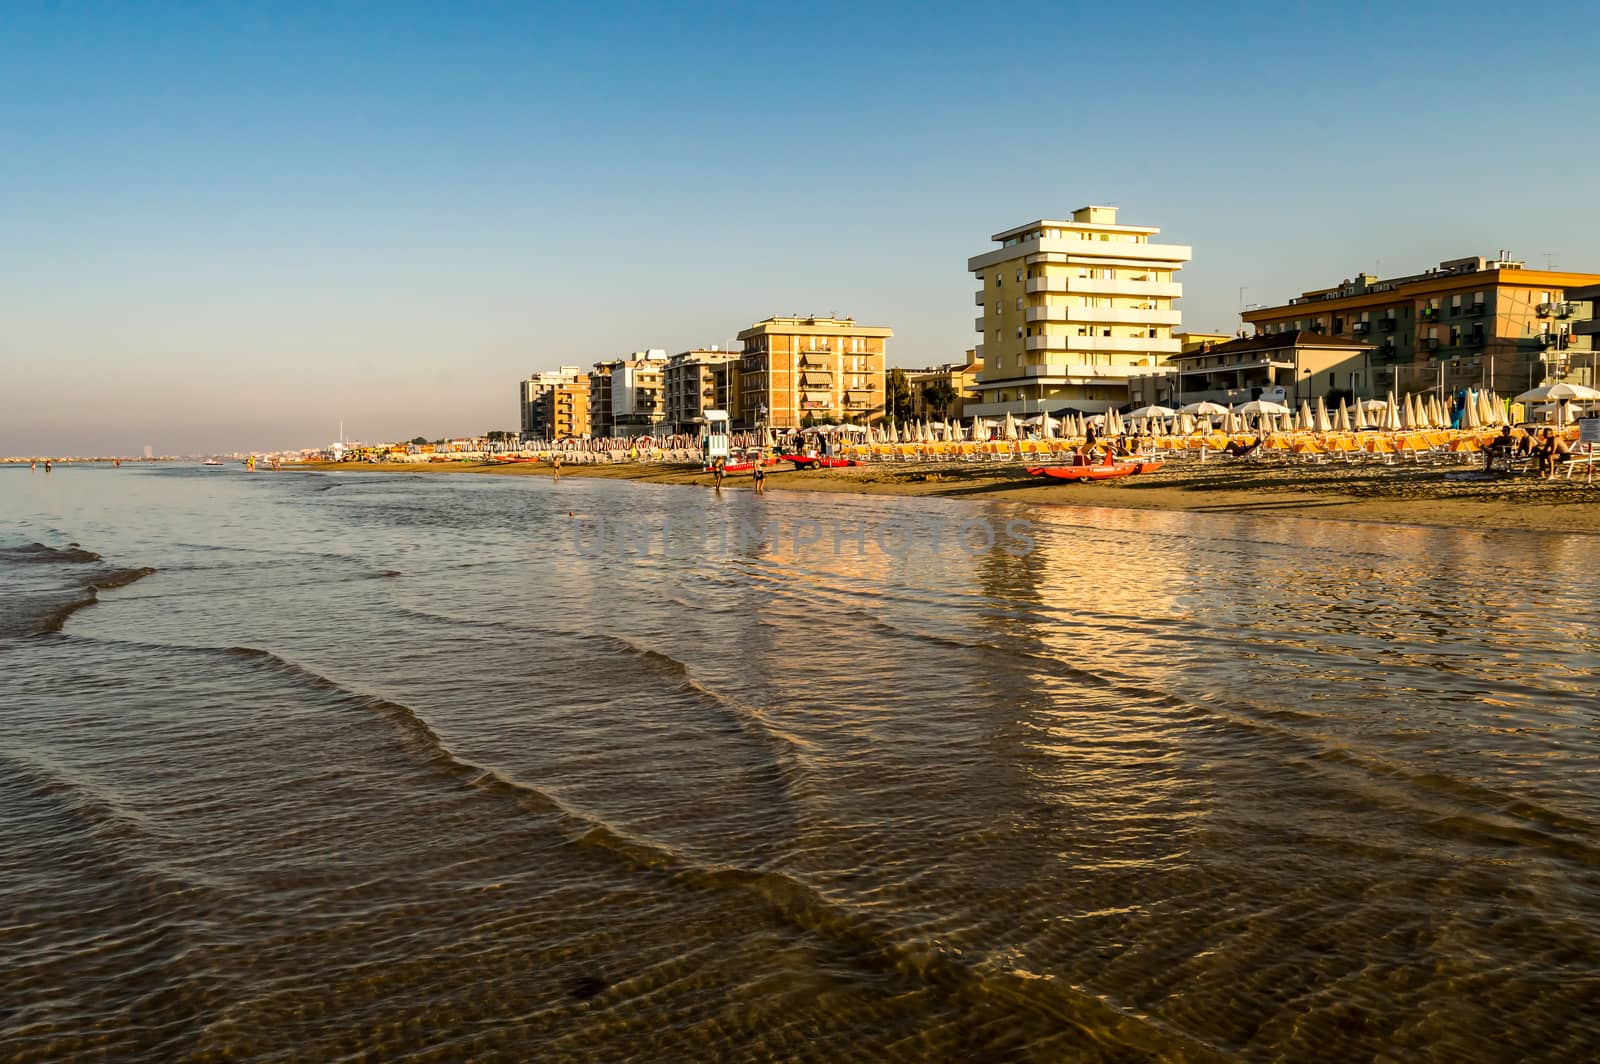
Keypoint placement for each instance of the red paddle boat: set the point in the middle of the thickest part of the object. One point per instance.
(1082, 470)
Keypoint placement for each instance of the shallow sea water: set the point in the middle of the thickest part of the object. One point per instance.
(322, 767)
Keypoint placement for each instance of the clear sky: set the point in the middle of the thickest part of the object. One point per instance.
(228, 226)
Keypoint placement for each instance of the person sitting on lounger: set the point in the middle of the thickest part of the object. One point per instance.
(1242, 450)
(1551, 450)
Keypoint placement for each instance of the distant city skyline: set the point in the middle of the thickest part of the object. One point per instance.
(229, 228)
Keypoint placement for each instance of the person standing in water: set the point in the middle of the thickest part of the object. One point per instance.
(555, 467)
(760, 475)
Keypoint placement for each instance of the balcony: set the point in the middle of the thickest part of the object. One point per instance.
(1430, 343)
(1107, 315)
(1097, 249)
(1093, 286)
(1564, 310)
(1472, 339)
(1123, 344)
(1388, 324)
(1428, 314)
(977, 299)
(1543, 309)
(1361, 328)
(1476, 310)
(1076, 372)
(977, 324)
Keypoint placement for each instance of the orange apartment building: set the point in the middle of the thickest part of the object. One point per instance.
(1470, 322)
(795, 371)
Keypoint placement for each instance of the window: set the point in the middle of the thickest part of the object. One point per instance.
(1019, 302)
(1330, 379)
(1019, 275)
(1019, 332)
(1455, 303)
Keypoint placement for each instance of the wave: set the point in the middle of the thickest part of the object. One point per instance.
(72, 554)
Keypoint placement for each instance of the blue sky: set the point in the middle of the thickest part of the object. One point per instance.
(229, 226)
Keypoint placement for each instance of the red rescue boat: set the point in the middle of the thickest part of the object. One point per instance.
(813, 461)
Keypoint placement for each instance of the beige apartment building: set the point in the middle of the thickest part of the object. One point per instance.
(555, 405)
(960, 377)
(1070, 310)
(1474, 322)
(695, 381)
(795, 371)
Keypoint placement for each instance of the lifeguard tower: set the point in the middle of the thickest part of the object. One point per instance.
(714, 439)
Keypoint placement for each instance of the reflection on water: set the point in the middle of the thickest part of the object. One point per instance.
(389, 765)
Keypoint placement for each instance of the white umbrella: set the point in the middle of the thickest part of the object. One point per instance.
(1408, 413)
(1185, 423)
(1304, 421)
(1547, 393)
(1046, 427)
(1203, 408)
(1145, 412)
(1469, 413)
(1262, 406)
(1323, 422)
(1342, 421)
(1362, 424)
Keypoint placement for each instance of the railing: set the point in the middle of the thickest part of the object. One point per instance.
(1476, 310)
(1388, 324)
(1429, 314)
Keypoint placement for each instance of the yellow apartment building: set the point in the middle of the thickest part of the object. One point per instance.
(691, 381)
(795, 371)
(1069, 310)
(1475, 322)
(569, 409)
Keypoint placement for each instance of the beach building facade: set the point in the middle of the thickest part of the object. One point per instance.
(956, 381)
(1288, 368)
(1470, 322)
(539, 407)
(600, 421)
(636, 400)
(1069, 310)
(694, 382)
(796, 371)
(1578, 364)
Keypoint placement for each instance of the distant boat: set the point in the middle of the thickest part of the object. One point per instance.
(212, 462)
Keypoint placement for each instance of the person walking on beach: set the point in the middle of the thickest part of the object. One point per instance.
(716, 474)
(555, 467)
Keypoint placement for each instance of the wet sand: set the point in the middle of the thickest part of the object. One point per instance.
(1447, 495)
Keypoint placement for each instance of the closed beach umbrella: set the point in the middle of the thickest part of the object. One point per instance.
(1469, 413)
(1342, 419)
(1436, 413)
(1008, 428)
(1305, 415)
(1323, 422)
(1046, 427)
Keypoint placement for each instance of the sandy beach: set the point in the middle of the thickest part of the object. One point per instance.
(1449, 496)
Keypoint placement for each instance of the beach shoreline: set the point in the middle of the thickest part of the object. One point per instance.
(1441, 496)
